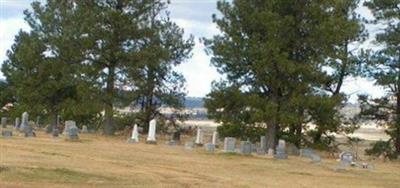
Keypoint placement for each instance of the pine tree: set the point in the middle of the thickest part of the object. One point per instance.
(42, 64)
(272, 54)
(384, 66)
(157, 82)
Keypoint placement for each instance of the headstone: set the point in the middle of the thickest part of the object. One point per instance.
(189, 145)
(25, 127)
(253, 147)
(151, 137)
(135, 135)
(245, 147)
(24, 122)
(55, 132)
(17, 122)
(315, 158)
(68, 125)
(229, 144)
(84, 129)
(346, 158)
(6, 133)
(270, 151)
(281, 150)
(263, 144)
(209, 147)
(260, 151)
(38, 122)
(199, 137)
(215, 138)
(73, 133)
(4, 122)
(306, 152)
(292, 149)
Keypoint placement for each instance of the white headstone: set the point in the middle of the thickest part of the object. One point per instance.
(135, 135)
(199, 136)
(24, 123)
(229, 144)
(151, 137)
(84, 129)
(215, 138)
(68, 125)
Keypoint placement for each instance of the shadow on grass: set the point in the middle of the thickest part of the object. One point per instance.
(57, 175)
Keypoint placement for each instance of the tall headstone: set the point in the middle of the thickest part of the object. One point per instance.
(24, 122)
(281, 150)
(4, 122)
(84, 129)
(135, 135)
(199, 137)
(263, 144)
(229, 144)
(245, 147)
(38, 122)
(17, 123)
(151, 137)
(25, 127)
(215, 138)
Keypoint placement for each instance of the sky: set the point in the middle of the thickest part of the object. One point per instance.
(195, 17)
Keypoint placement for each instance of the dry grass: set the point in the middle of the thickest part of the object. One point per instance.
(98, 161)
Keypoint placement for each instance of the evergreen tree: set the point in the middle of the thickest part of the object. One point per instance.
(384, 66)
(272, 54)
(42, 64)
(157, 83)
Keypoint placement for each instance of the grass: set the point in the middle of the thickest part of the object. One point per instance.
(99, 161)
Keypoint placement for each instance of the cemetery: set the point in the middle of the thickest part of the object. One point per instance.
(149, 160)
(199, 93)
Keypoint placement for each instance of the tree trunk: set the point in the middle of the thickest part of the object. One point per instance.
(109, 108)
(272, 126)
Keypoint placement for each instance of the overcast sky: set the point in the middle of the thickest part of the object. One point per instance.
(195, 17)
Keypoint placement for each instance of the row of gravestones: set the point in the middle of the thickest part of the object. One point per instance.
(246, 147)
(70, 129)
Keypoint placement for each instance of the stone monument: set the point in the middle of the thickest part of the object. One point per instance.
(84, 129)
(17, 123)
(229, 144)
(199, 137)
(209, 147)
(151, 137)
(135, 135)
(245, 147)
(215, 138)
(281, 150)
(4, 122)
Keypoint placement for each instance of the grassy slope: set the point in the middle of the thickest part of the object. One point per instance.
(97, 161)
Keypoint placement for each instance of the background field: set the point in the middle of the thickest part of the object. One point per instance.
(97, 161)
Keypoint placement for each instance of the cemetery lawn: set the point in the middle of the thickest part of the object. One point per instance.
(97, 161)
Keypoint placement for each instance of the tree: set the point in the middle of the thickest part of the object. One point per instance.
(272, 54)
(341, 63)
(157, 83)
(42, 65)
(383, 66)
(6, 95)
